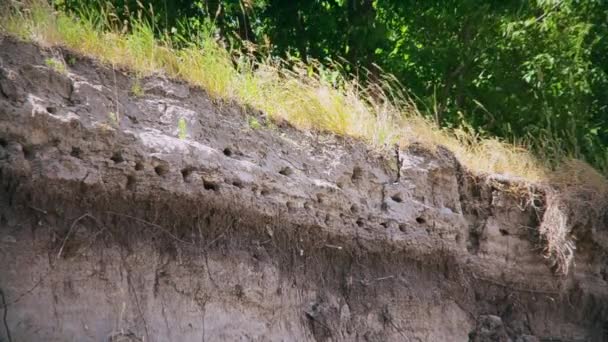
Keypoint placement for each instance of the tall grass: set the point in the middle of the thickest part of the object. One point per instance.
(303, 95)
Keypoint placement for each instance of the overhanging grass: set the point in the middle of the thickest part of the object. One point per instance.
(299, 95)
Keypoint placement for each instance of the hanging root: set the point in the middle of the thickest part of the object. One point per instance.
(574, 207)
(555, 235)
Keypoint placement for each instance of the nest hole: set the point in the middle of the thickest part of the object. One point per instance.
(397, 198)
(76, 152)
(227, 152)
(161, 170)
(420, 220)
(187, 174)
(28, 152)
(290, 206)
(117, 158)
(286, 171)
(357, 174)
(208, 185)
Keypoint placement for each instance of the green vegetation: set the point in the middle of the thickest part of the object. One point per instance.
(253, 123)
(530, 74)
(113, 116)
(56, 65)
(182, 128)
(136, 88)
(71, 61)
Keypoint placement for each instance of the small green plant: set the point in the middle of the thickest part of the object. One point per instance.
(182, 129)
(113, 116)
(271, 125)
(254, 123)
(136, 89)
(56, 65)
(71, 61)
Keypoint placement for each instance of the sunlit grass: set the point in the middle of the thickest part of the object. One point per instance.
(381, 115)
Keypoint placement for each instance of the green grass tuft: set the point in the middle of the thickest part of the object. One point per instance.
(182, 128)
(136, 89)
(253, 123)
(56, 65)
(113, 117)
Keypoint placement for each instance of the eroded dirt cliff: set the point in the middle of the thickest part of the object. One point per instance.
(167, 216)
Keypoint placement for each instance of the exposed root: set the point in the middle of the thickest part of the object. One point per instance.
(70, 232)
(555, 234)
(571, 210)
(553, 209)
(8, 331)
